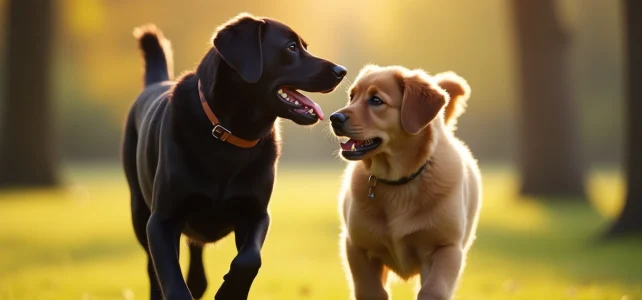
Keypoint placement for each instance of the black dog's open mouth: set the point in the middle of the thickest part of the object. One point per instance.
(355, 149)
(299, 103)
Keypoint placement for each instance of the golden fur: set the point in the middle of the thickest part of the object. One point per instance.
(426, 226)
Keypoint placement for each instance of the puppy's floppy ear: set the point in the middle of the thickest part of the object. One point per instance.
(239, 44)
(422, 101)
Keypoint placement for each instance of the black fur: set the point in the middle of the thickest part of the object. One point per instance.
(183, 180)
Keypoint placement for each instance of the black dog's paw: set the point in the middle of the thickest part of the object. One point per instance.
(197, 283)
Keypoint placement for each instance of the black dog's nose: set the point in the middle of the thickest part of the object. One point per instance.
(339, 71)
(338, 118)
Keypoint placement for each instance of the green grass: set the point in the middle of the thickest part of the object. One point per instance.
(77, 243)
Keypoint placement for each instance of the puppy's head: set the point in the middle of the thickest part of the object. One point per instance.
(272, 60)
(387, 107)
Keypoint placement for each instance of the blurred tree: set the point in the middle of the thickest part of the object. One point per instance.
(630, 220)
(550, 162)
(27, 149)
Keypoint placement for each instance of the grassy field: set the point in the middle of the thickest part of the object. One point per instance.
(77, 243)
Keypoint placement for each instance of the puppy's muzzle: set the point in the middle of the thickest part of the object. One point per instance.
(338, 121)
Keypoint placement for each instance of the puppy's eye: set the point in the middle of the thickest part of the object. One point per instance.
(375, 101)
(292, 47)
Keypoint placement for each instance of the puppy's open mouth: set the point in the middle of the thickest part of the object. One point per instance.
(299, 103)
(355, 149)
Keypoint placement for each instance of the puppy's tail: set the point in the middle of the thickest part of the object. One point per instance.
(157, 52)
(459, 92)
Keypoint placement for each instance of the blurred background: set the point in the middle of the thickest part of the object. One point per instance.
(551, 119)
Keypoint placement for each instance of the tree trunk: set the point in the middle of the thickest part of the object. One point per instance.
(630, 220)
(27, 150)
(550, 162)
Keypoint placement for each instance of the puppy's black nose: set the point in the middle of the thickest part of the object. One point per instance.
(339, 71)
(338, 118)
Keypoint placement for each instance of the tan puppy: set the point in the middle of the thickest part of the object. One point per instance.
(411, 195)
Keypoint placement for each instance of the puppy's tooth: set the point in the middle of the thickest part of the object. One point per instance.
(280, 91)
(310, 111)
(296, 102)
(353, 148)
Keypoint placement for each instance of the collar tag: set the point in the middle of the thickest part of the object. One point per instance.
(372, 183)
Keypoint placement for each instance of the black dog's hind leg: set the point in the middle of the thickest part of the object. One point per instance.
(140, 215)
(250, 236)
(196, 280)
(140, 212)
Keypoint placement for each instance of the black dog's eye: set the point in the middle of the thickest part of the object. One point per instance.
(292, 47)
(375, 101)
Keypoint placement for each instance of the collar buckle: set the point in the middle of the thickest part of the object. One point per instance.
(221, 132)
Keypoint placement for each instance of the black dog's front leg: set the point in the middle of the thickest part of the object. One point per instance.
(164, 236)
(250, 236)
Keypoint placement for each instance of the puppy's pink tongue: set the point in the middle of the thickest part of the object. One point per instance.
(304, 101)
(347, 146)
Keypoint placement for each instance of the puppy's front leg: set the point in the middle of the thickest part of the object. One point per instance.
(164, 235)
(368, 276)
(250, 236)
(440, 273)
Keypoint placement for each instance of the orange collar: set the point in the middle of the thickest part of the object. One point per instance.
(219, 131)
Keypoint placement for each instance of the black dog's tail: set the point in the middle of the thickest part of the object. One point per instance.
(157, 52)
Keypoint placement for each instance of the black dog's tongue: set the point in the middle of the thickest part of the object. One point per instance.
(304, 101)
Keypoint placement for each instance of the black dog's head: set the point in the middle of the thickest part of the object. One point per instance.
(274, 60)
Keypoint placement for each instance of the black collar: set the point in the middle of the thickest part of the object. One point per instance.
(372, 180)
(404, 180)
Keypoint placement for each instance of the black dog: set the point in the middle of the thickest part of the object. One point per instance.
(190, 174)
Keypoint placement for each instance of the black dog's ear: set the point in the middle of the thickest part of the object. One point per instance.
(239, 44)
